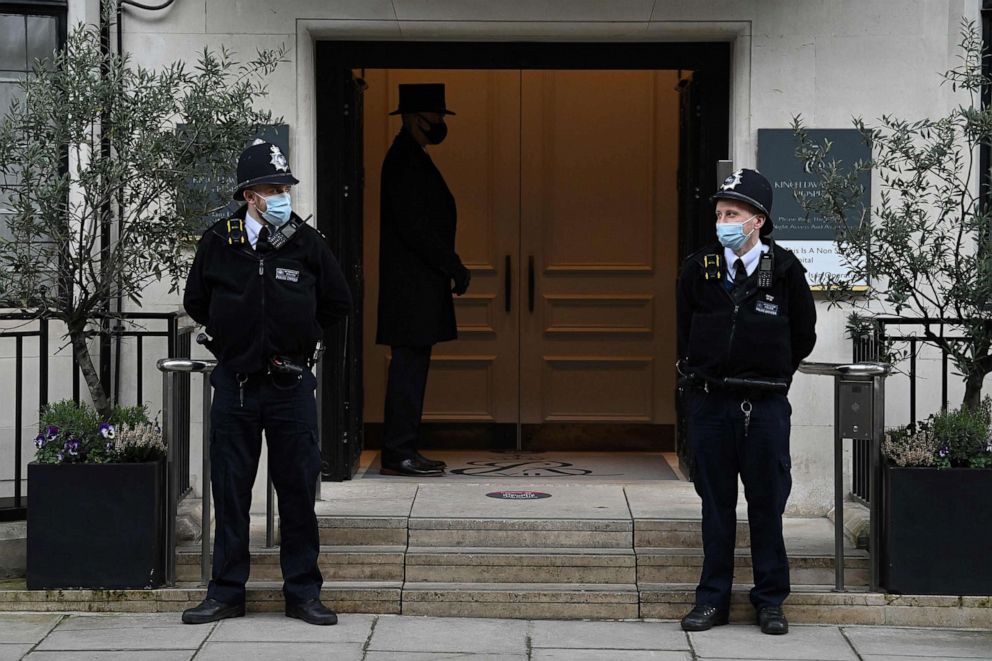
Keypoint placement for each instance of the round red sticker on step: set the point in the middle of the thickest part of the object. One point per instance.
(518, 495)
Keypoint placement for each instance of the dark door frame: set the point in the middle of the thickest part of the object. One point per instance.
(340, 190)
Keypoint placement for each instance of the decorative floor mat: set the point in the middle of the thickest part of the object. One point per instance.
(483, 466)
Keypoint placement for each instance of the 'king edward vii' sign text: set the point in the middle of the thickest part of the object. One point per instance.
(812, 239)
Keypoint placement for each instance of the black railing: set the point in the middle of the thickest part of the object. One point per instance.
(887, 341)
(14, 508)
(174, 330)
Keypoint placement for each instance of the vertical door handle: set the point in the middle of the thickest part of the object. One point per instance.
(507, 283)
(530, 283)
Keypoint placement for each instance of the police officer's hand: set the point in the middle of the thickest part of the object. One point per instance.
(461, 277)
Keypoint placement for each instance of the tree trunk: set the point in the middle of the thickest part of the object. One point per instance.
(81, 351)
(973, 390)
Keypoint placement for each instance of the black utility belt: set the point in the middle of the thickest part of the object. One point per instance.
(280, 366)
(751, 388)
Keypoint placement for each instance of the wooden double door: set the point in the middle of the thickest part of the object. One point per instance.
(566, 187)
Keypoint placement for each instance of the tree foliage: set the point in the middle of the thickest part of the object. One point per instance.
(925, 247)
(100, 146)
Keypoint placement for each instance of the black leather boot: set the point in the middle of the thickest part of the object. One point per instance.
(211, 610)
(703, 617)
(312, 612)
(772, 621)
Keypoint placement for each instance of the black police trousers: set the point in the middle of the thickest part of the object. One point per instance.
(285, 408)
(720, 451)
(404, 407)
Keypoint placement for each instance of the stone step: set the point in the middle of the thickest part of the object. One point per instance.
(521, 533)
(806, 604)
(520, 565)
(679, 533)
(337, 563)
(362, 530)
(525, 565)
(668, 565)
(262, 596)
(523, 600)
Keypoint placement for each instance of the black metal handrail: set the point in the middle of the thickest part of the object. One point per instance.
(876, 347)
(36, 328)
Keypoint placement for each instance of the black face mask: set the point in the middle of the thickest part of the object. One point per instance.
(436, 133)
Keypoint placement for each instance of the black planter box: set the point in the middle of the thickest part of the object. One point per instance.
(96, 526)
(936, 531)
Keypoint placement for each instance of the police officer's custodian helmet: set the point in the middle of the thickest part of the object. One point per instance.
(262, 163)
(749, 186)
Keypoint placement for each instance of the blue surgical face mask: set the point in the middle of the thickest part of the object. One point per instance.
(731, 235)
(278, 209)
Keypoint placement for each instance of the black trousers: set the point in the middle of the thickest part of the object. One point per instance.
(286, 410)
(404, 402)
(721, 450)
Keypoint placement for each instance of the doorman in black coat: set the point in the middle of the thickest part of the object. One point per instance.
(418, 272)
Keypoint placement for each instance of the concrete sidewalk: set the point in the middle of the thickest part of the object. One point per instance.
(161, 637)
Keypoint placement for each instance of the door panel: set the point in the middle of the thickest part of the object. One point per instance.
(475, 378)
(598, 210)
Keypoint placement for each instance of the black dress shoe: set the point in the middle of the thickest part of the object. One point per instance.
(429, 462)
(410, 467)
(312, 612)
(703, 617)
(772, 621)
(211, 610)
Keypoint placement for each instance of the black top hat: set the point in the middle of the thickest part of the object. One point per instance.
(422, 97)
(262, 163)
(749, 186)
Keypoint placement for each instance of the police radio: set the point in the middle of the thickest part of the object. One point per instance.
(280, 237)
(766, 268)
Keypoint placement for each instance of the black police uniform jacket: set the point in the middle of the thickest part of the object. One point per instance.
(417, 258)
(257, 305)
(756, 333)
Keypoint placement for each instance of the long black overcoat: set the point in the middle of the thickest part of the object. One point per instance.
(417, 258)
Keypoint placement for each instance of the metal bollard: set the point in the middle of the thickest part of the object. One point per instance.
(859, 413)
(168, 367)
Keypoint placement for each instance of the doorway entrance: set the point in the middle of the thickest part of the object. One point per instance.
(578, 189)
(566, 188)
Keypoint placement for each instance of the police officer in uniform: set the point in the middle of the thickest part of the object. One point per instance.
(746, 318)
(418, 272)
(266, 287)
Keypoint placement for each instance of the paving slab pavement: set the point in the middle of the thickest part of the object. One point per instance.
(264, 636)
(746, 642)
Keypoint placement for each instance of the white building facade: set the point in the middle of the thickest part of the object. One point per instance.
(827, 60)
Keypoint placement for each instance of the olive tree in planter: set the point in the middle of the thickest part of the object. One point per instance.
(96, 164)
(99, 160)
(926, 250)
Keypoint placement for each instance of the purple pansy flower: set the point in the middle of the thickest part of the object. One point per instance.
(107, 430)
(51, 432)
(39, 441)
(72, 446)
(943, 451)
